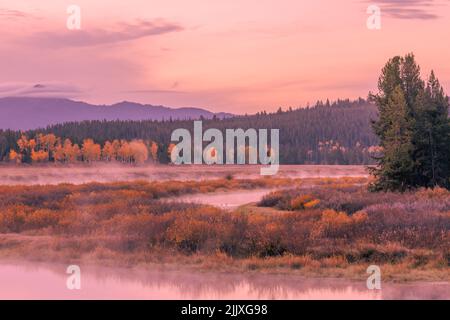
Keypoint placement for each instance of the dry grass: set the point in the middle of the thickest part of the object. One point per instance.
(330, 228)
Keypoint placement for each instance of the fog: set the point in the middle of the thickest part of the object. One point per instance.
(56, 174)
(48, 281)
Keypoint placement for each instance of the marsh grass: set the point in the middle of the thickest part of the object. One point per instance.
(331, 228)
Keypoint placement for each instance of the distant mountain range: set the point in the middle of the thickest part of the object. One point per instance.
(31, 113)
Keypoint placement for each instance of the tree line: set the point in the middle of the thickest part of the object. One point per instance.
(50, 148)
(327, 133)
(404, 129)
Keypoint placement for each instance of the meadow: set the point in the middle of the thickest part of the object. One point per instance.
(327, 227)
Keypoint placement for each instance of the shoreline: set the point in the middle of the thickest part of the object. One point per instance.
(186, 268)
(170, 260)
(160, 282)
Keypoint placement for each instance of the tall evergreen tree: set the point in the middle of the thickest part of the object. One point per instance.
(413, 128)
(388, 81)
(396, 170)
(432, 137)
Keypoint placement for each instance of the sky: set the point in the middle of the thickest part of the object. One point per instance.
(239, 56)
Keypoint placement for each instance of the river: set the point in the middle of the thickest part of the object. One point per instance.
(227, 200)
(47, 281)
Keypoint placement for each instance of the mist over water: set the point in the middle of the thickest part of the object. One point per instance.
(34, 175)
(47, 281)
(25, 280)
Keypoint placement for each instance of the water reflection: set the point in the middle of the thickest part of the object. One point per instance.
(49, 282)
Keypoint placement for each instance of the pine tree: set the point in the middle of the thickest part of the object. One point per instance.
(388, 81)
(413, 128)
(432, 138)
(396, 164)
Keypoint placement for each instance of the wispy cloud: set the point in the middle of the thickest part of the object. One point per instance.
(87, 38)
(43, 89)
(19, 16)
(410, 9)
(155, 91)
(12, 14)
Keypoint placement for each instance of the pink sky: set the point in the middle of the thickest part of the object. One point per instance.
(236, 56)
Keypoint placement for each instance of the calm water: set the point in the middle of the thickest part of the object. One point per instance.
(49, 282)
(226, 200)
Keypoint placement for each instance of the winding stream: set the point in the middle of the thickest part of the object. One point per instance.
(226, 200)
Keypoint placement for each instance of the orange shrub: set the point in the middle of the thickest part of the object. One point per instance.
(196, 229)
(304, 202)
(128, 216)
(13, 219)
(42, 218)
(337, 224)
(311, 204)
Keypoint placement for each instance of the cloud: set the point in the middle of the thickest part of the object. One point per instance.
(42, 90)
(12, 14)
(87, 38)
(155, 91)
(409, 9)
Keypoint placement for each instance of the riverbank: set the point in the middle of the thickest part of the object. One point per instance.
(315, 228)
(24, 280)
(33, 250)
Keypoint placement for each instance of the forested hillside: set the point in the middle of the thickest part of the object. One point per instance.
(22, 113)
(328, 133)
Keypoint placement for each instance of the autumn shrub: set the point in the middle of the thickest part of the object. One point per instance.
(42, 218)
(145, 216)
(271, 199)
(298, 202)
(305, 201)
(335, 224)
(311, 204)
(13, 219)
(198, 229)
